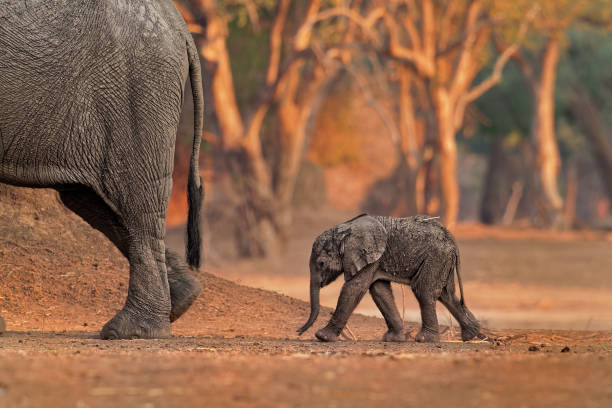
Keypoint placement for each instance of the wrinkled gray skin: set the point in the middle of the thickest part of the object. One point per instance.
(372, 252)
(90, 99)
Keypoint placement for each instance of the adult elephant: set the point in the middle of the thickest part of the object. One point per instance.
(373, 251)
(90, 99)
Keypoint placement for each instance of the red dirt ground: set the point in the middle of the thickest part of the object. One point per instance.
(60, 282)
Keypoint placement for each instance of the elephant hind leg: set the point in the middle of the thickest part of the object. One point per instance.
(383, 297)
(146, 313)
(470, 326)
(84, 202)
(139, 236)
(184, 288)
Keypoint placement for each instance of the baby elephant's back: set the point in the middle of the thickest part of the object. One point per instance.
(413, 240)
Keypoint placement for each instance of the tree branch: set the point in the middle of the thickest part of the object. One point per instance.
(496, 75)
(366, 23)
(276, 40)
(422, 64)
(523, 65)
(302, 36)
(448, 15)
(384, 115)
(428, 28)
(480, 25)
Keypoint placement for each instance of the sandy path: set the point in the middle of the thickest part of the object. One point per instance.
(75, 370)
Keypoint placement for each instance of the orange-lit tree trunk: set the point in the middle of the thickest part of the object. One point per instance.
(548, 158)
(259, 221)
(411, 141)
(555, 17)
(255, 233)
(447, 146)
(294, 118)
(444, 45)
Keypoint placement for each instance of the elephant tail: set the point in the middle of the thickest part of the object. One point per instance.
(459, 277)
(195, 188)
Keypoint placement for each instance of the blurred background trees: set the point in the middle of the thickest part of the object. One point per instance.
(479, 110)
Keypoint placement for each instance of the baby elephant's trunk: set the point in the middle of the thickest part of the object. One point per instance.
(315, 287)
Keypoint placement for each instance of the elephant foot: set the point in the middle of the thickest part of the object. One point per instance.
(327, 334)
(395, 336)
(127, 325)
(184, 289)
(427, 336)
(468, 333)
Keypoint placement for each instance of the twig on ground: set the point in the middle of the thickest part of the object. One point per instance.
(348, 329)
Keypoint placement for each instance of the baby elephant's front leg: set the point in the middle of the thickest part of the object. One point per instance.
(350, 296)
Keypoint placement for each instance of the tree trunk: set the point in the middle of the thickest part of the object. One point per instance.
(571, 196)
(448, 158)
(490, 202)
(255, 226)
(594, 131)
(294, 125)
(543, 128)
(411, 144)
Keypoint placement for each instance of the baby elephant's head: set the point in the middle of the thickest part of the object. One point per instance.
(325, 267)
(325, 258)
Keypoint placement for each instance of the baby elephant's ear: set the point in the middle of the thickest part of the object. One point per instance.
(364, 243)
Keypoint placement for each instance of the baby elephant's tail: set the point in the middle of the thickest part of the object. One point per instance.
(462, 300)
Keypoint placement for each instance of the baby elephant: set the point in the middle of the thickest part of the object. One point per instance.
(374, 251)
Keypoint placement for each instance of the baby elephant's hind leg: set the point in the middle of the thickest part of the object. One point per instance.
(469, 325)
(383, 297)
(184, 288)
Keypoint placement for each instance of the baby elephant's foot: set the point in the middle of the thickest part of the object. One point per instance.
(468, 333)
(427, 336)
(127, 325)
(328, 333)
(395, 336)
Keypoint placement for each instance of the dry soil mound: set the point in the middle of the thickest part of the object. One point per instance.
(57, 273)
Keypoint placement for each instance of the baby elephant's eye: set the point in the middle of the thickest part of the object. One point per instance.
(321, 264)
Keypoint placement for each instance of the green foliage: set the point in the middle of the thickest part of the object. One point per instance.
(587, 63)
(248, 55)
(504, 111)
